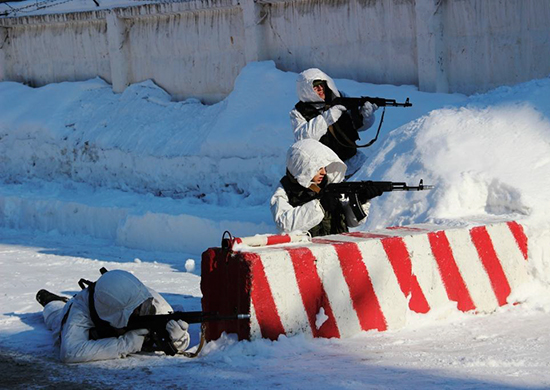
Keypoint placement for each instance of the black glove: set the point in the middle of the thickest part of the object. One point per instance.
(369, 193)
(330, 202)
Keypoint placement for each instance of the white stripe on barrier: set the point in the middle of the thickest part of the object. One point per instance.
(509, 254)
(255, 332)
(386, 287)
(336, 289)
(472, 270)
(284, 288)
(425, 267)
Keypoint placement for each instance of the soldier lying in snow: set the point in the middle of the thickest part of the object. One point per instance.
(116, 296)
(299, 204)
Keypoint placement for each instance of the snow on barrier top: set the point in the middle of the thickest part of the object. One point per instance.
(337, 286)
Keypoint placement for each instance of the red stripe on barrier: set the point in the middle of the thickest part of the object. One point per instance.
(313, 294)
(489, 259)
(262, 298)
(362, 293)
(418, 302)
(452, 279)
(521, 238)
(398, 256)
(277, 239)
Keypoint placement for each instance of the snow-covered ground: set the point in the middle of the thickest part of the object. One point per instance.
(136, 181)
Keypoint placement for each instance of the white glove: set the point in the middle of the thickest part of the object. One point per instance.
(333, 114)
(133, 340)
(368, 109)
(178, 334)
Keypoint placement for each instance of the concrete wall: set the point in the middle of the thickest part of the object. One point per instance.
(197, 48)
(189, 51)
(494, 42)
(66, 49)
(371, 41)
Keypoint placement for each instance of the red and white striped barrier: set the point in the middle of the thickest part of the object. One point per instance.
(337, 286)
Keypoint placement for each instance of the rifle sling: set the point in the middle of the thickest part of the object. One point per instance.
(350, 144)
(192, 355)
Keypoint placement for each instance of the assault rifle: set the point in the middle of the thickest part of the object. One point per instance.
(353, 189)
(156, 324)
(353, 102)
(158, 338)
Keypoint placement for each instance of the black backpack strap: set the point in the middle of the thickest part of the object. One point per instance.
(102, 329)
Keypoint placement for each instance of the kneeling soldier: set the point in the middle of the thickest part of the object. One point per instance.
(299, 204)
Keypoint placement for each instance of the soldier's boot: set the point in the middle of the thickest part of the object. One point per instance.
(44, 297)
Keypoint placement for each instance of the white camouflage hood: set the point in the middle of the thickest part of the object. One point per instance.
(117, 294)
(304, 85)
(306, 157)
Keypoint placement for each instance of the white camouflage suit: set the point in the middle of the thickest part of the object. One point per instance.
(318, 126)
(304, 159)
(117, 294)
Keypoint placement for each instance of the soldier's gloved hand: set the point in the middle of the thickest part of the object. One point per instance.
(133, 340)
(333, 114)
(178, 334)
(368, 109)
(369, 193)
(330, 202)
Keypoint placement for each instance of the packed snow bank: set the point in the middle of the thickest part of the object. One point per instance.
(125, 218)
(230, 153)
(68, 147)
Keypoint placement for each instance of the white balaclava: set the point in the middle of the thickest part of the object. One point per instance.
(117, 294)
(307, 156)
(304, 85)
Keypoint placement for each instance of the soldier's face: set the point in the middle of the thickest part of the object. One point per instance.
(318, 178)
(320, 90)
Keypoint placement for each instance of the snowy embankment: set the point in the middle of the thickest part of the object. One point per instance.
(183, 172)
